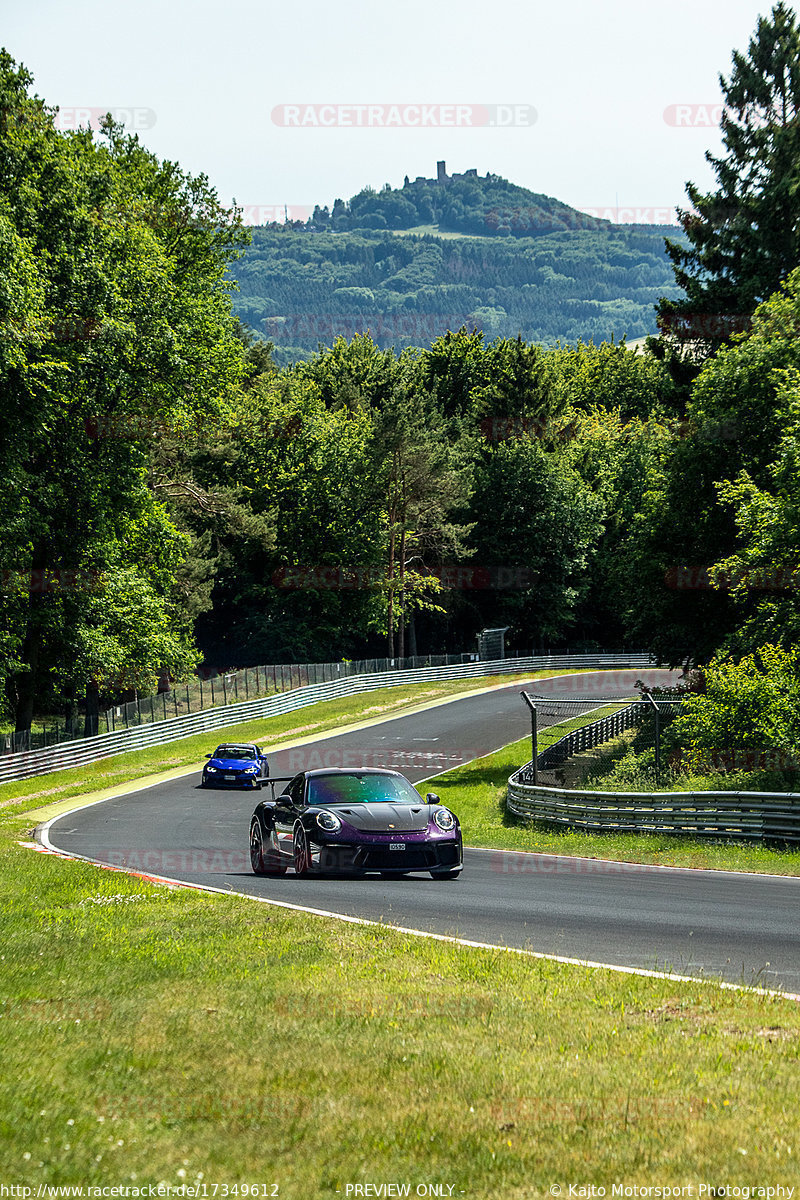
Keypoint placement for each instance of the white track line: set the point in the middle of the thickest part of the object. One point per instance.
(43, 834)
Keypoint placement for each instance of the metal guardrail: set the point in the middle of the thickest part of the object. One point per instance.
(723, 815)
(86, 750)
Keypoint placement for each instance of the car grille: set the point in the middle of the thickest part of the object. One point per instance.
(416, 857)
(413, 859)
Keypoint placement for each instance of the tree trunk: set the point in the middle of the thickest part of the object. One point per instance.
(69, 707)
(91, 724)
(390, 621)
(401, 648)
(26, 681)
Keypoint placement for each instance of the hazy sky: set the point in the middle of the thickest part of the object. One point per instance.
(298, 103)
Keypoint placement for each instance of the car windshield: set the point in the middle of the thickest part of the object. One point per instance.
(361, 789)
(234, 752)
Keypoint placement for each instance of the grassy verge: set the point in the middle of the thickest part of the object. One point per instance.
(155, 1035)
(315, 719)
(477, 793)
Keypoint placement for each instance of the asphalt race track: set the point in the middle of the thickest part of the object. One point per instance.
(742, 928)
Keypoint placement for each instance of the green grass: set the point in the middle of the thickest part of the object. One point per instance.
(315, 719)
(477, 793)
(152, 1035)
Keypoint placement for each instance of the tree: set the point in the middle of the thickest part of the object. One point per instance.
(621, 462)
(752, 704)
(455, 371)
(739, 410)
(763, 573)
(426, 478)
(536, 526)
(744, 237)
(119, 319)
(299, 565)
(352, 374)
(522, 384)
(614, 377)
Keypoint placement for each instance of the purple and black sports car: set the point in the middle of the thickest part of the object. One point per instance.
(336, 821)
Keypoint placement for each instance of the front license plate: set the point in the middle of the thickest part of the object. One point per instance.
(397, 845)
(231, 777)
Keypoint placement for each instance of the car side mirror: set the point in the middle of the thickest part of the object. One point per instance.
(432, 798)
(209, 755)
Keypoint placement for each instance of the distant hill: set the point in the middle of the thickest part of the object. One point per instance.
(479, 205)
(490, 255)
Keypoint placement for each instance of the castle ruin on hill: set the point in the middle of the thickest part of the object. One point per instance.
(442, 177)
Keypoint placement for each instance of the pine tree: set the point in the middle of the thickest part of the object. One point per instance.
(744, 238)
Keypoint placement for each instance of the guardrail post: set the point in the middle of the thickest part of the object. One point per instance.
(658, 737)
(534, 737)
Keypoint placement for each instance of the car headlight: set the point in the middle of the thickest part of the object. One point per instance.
(250, 770)
(444, 819)
(211, 770)
(328, 821)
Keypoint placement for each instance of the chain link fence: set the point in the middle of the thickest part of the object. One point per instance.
(217, 689)
(569, 760)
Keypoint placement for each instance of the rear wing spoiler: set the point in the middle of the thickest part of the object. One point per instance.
(272, 780)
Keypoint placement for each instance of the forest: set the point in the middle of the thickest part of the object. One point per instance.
(174, 494)
(303, 285)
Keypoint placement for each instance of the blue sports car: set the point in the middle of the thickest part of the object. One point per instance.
(234, 764)
(337, 821)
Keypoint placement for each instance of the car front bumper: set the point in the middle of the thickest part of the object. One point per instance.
(363, 856)
(239, 780)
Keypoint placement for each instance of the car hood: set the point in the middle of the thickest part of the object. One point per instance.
(382, 816)
(232, 764)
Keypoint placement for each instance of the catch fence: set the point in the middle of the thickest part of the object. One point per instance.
(541, 794)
